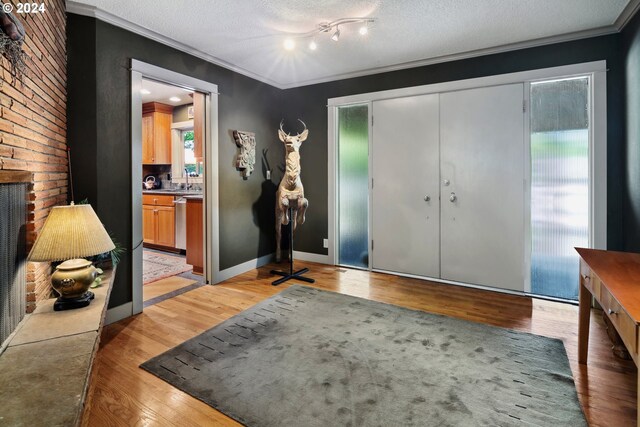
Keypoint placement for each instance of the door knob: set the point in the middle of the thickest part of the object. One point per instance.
(427, 198)
(445, 182)
(453, 197)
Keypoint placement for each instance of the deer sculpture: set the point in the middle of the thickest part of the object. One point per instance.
(290, 191)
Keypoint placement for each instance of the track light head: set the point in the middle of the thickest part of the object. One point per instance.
(289, 44)
(336, 36)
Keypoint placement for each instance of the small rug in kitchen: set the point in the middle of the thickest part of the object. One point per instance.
(156, 266)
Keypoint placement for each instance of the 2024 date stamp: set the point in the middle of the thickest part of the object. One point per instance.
(24, 8)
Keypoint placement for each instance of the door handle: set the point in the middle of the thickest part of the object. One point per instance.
(453, 197)
(445, 182)
(427, 198)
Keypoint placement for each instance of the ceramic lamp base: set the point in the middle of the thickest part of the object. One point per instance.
(71, 303)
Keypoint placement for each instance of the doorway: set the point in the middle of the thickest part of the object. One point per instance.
(461, 174)
(174, 175)
(172, 183)
(447, 193)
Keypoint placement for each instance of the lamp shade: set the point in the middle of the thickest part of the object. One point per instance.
(70, 232)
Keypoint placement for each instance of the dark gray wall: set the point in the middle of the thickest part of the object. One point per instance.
(102, 133)
(81, 108)
(631, 43)
(100, 129)
(309, 103)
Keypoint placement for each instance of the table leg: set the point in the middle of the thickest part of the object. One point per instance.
(583, 322)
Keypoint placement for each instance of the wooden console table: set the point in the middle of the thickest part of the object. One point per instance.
(613, 279)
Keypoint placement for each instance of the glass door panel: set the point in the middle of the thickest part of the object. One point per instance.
(559, 184)
(353, 186)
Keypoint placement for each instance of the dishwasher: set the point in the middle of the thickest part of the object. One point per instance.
(181, 222)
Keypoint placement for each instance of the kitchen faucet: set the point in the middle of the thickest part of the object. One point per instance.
(186, 174)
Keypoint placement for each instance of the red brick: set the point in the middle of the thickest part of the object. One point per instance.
(33, 127)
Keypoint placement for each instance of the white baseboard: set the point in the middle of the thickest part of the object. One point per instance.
(118, 313)
(244, 267)
(307, 256)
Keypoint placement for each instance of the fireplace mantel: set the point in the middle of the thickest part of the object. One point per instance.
(14, 176)
(47, 364)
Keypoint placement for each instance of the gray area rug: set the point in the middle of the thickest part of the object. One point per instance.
(307, 357)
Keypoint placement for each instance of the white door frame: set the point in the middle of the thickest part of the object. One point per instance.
(140, 70)
(597, 70)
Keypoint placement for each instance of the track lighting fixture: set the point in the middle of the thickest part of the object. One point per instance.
(332, 28)
(336, 36)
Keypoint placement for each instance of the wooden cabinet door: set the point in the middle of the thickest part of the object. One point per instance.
(148, 224)
(198, 125)
(195, 234)
(166, 222)
(162, 138)
(148, 156)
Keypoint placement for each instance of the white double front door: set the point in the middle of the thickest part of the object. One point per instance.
(448, 186)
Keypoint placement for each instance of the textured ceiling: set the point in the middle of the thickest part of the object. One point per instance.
(247, 35)
(161, 92)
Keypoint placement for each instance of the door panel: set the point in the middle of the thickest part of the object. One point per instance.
(148, 224)
(405, 169)
(147, 139)
(166, 220)
(482, 149)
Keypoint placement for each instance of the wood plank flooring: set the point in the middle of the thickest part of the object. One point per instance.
(121, 394)
(164, 286)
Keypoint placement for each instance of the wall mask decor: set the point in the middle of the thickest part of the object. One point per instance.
(290, 191)
(246, 159)
(11, 38)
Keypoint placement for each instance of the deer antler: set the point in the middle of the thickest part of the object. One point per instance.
(281, 123)
(305, 126)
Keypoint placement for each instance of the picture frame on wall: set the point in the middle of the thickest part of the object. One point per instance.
(190, 112)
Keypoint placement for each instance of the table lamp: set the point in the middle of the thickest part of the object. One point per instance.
(69, 234)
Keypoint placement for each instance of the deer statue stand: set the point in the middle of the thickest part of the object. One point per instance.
(290, 198)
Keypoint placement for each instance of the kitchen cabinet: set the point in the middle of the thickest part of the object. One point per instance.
(156, 133)
(195, 233)
(198, 125)
(158, 220)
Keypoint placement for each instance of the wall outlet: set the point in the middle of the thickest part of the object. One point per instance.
(325, 243)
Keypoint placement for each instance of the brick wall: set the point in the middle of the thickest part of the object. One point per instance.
(33, 125)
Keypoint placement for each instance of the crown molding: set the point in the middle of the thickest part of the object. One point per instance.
(81, 9)
(627, 13)
(109, 18)
(602, 31)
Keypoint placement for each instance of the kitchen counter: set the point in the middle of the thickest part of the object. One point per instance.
(176, 192)
(193, 196)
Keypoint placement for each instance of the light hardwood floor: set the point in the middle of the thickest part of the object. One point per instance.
(164, 286)
(122, 394)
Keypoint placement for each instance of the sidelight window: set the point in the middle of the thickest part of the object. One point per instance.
(560, 128)
(353, 185)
